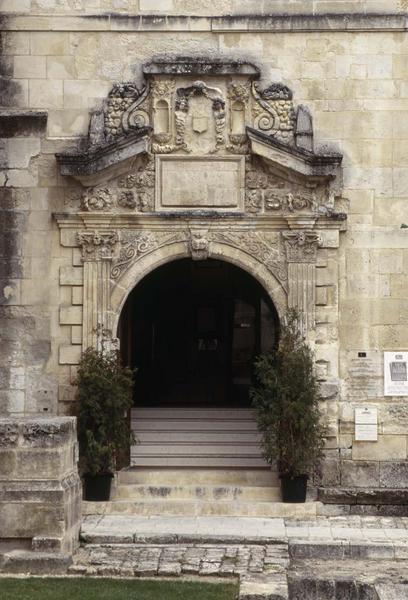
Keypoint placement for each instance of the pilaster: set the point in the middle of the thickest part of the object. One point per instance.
(97, 252)
(301, 250)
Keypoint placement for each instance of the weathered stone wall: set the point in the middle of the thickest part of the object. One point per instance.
(40, 490)
(204, 7)
(351, 73)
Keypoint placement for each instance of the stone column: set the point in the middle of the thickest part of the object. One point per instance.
(97, 250)
(301, 250)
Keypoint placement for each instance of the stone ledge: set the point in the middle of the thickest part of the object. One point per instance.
(174, 538)
(344, 550)
(253, 23)
(350, 496)
(23, 123)
(82, 165)
(35, 563)
(200, 66)
(36, 432)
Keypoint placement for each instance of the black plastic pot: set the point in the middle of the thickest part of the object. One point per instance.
(293, 488)
(97, 487)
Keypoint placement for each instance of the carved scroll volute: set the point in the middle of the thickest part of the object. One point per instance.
(97, 252)
(301, 251)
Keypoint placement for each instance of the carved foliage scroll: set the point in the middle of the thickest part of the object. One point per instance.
(262, 246)
(135, 244)
(126, 108)
(169, 108)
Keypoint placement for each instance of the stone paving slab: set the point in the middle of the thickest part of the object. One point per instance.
(110, 528)
(124, 529)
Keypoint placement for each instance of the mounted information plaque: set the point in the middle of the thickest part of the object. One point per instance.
(395, 374)
(366, 424)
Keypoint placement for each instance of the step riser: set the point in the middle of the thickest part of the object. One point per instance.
(196, 437)
(198, 449)
(185, 437)
(195, 509)
(179, 477)
(171, 414)
(196, 461)
(207, 493)
(194, 425)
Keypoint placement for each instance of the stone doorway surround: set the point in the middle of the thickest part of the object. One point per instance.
(202, 163)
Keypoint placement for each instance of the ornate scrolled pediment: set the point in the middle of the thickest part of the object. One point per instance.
(200, 137)
(192, 106)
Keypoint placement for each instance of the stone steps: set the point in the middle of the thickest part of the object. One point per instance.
(202, 493)
(201, 508)
(195, 437)
(198, 477)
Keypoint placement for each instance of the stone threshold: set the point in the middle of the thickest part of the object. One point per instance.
(118, 22)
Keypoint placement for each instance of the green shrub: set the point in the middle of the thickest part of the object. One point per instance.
(104, 398)
(286, 401)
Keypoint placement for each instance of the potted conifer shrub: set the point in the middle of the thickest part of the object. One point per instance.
(286, 401)
(104, 398)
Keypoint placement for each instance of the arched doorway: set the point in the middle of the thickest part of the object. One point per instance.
(191, 330)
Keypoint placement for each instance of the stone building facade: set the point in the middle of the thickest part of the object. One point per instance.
(270, 135)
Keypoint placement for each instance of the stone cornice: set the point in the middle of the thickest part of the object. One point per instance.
(200, 66)
(298, 160)
(83, 165)
(222, 24)
(22, 122)
(182, 221)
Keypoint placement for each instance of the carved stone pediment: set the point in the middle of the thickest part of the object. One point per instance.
(192, 108)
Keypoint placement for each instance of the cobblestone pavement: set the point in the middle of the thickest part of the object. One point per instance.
(180, 559)
(325, 557)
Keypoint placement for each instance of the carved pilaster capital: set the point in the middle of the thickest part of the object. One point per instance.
(199, 244)
(97, 245)
(301, 246)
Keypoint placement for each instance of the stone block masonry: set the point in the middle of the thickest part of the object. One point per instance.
(345, 61)
(40, 489)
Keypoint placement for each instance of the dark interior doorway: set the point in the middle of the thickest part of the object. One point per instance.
(191, 331)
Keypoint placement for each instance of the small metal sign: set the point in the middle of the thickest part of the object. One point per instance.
(395, 373)
(366, 424)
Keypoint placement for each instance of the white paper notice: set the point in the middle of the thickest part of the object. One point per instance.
(366, 427)
(395, 373)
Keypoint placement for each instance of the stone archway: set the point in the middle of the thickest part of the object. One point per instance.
(190, 330)
(144, 265)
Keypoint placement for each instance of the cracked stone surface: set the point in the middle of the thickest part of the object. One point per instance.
(175, 560)
(260, 568)
(323, 558)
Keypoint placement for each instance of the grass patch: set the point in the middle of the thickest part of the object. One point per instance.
(113, 589)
